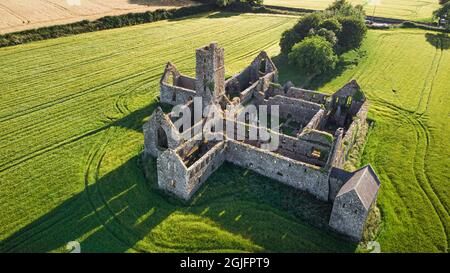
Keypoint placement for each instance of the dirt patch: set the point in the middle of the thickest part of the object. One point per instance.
(17, 15)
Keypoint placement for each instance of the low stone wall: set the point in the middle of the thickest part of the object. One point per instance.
(336, 158)
(296, 174)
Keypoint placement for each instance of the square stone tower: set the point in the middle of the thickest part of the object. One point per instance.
(210, 73)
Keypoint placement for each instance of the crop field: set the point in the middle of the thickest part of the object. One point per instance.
(417, 10)
(17, 15)
(71, 118)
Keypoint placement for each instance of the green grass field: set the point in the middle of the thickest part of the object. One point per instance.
(71, 120)
(417, 10)
(406, 77)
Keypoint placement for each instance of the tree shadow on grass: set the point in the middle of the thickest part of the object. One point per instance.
(209, 15)
(223, 14)
(158, 3)
(439, 41)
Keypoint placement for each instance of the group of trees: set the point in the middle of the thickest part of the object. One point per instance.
(317, 39)
(443, 12)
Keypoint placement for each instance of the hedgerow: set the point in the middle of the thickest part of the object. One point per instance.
(107, 22)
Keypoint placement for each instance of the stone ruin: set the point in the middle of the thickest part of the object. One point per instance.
(316, 133)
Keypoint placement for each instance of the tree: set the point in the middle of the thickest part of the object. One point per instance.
(325, 33)
(306, 23)
(301, 30)
(353, 32)
(314, 55)
(332, 24)
(443, 13)
(343, 8)
(442, 2)
(288, 39)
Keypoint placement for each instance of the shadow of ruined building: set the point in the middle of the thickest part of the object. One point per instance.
(120, 211)
(93, 216)
(315, 135)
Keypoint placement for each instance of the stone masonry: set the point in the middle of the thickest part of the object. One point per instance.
(316, 133)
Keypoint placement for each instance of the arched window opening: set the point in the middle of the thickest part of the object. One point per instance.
(174, 96)
(162, 139)
(171, 79)
(262, 66)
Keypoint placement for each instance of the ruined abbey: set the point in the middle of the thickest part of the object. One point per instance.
(315, 134)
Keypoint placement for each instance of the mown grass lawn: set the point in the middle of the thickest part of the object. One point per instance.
(417, 10)
(71, 120)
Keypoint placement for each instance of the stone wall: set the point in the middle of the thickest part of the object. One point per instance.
(308, 95)
(291, 172)
(337, 179)
(299, 110)
(317, 121)
(247, 94)
(348, 215)
(353, 132)
(210, 73)
(302, 149)
(159, 124)
(175, 95)
(186, 82)
(238, 82)
(199, 172)
(172, 174)
(336, 158)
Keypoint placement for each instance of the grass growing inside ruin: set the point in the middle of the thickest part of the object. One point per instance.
(71, 120)
(417, 10)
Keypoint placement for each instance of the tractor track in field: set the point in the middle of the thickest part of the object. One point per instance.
(91, 174)
(13, 13)
(421, 135)
(70, 97)
(25, 236)
(428, 85)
